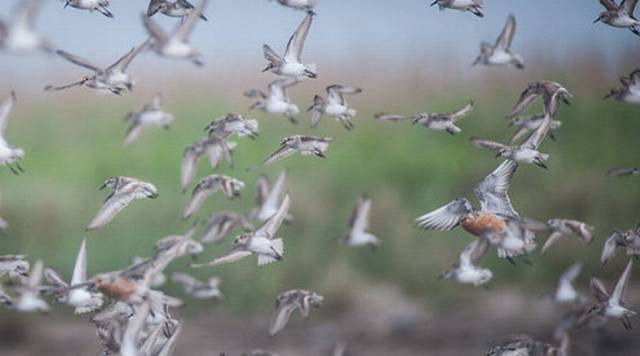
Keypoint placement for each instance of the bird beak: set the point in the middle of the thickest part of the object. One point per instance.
(103, 186)
(267, 68)
(596, 20)
(434, 3)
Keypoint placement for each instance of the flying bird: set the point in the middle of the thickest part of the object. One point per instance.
(220, 224)
(620, 16)
(196, 288)
(277, 101)
(291, 65)
(290, 301)
(231, 124)
(630, 91)
(150, 115)
(101, 6)
(443, 122)
(27, 292)
(528, 124)
(176, 8)
(624, 172)
(14, 266)
(208, 185)
(473, 6)
(566, 292)
(9, 156)
(305, 145)
(216, 149)
(335, 105)
(561, 227)
(467, 271)
(268, 197)
(550, 92)
(358, 226)
(628, 239)
(18, 34)
(500, 53)
(304, 5)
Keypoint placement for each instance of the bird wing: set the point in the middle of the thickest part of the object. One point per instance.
(621, 285)
(493, 190)
(156, 33)
(295, 45)
(359, 220)
(123, 62)
(474, 252)
(35, 276)
(154, 104)
(621, 172)
(54, 279)
(111, 207)
(271, 55)
(336, 93)
(610, 245)
(186, 27)
(5, 109)
(276, 190)
(571, 273)
(187, 281)
(27, 12)
(282, 314)
(457, 115)
(79, 61)
(599, 289)
(535, 139)
(526, 98)
(262, 190)
(552, 239)
(188, 166)
(609, 4)
(80, 267)
(205, 187)
(488, 144)
(282, 152)
(506, 36)
(234, 254)
(381, 116)
(277, 88)
(628, 6)
(270, 227)
(446, 217)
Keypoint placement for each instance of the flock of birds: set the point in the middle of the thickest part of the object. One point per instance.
(132, 315)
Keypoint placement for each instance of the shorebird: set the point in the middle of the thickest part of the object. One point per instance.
(9, 156)
(208, 185)
(305, 145)
(358, 226)
(277, 102)
(473, 6)
(78, 293)
(335, 105)
(630, 91)
(386, 117)
(176, 8)
(175, 45)
(290, 301)
(521, 345)
(496, 220)
(290, 65)
(561, 227)
(551, 92)
(215, 148)
(466, 271)
(112, 79)
(500, 53)
(27, 292)
(231, 124)
(196, 288)
(150, 115)
(261, 242)
(304, 5)
(446, 121)
(124, 191)
(268, 197)
(620, 16)
(566, 292)
(14, 266)
(629, 239)
(18, 34)
(624, 172)
(220, 224)
(527, 124)
(610, 303)
(101, 6)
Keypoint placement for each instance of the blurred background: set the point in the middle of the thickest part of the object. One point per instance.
(408, 58)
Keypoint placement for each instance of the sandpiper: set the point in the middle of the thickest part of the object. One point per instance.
(219, 226)
(176, 8)
(496, 220)
(551, 92)
(521, 345)
(78, 293)
(150, 115)
(261, 242)
(175, 45)
(18, 34)
(290, 301)
(446, 121)
(610, 303)
(208, 185)
(630, 91)
(335, 105)
(527, 124)
(112, 79)
(268, 197)
(101, 6)
(28, 292)
(500, 53)
(290, 65)
(466, 271)
(231, 124)
(9, 156)
(304, 5)
(124, 191)
(196, 288)
(215, 148)
(624, 172)
(277, 102)
(629, 239)
(565, 291)
(620, 16)
(358, 226)
(305, 145)
(473, 6)
(561, 227)
(14, 266)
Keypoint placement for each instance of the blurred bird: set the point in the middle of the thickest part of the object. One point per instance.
(150, 115)
(290, 301)
(466, 271)
(215, 148)
(629, 239)
(500, 53)
(208, 185)
(14, 266)
(220, 225)
(290, 65)
(256, 353)
(77, 293)
(610, 303)
(358, 224)
(268, 197)
(196, 288)
(304, 5)
(27, 292)
(124, 191)
(630, 91)
(521, 345)
(175, 45)
(561, 227)
(261, 242)
(112, 79)
(158, 279)
(383, 116)
(231, 124)
(9, 156)
(620, 16)
(277, 102)
(551, 92)
(566, 292)
(176, 8)
(305, 145)
(446, 121)
(525, 125)
(624, 172)
(18, 33)
(335, 105)
(101, 6)
(473, 6)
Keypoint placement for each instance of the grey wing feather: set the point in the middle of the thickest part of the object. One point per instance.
(78, 61)
(457, 115)
(609, 4)
(53, 278)
(281, 318)
(236, 253)
(158, 35)
(535, 140)
(187, 26)
(526, 98)
(5, 109)
(621, 285)
(599, 289)
(506, 37)
(492, 191)
(282, 152)
(270, 227)
(295, 45)
(112, 207)
(446, 217)
(488, 144)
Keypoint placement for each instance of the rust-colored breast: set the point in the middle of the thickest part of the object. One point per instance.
(482, 223)
(121, 288)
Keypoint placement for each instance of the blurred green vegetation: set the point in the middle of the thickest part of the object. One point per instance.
(73, 146)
